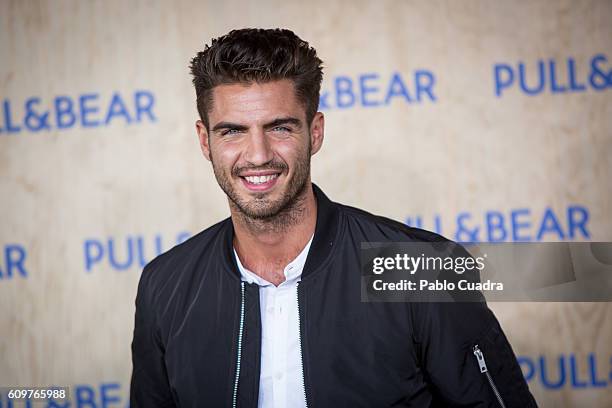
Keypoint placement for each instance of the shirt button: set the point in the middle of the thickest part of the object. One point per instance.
(270, 310)
(279, 376)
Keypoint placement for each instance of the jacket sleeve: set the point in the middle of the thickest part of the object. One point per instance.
(149, 384)
(447, 334)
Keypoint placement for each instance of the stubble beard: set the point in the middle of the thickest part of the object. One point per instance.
(260, 213)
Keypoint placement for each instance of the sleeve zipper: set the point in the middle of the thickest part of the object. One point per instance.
(483, 369)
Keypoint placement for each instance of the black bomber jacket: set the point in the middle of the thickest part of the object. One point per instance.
(197, 332)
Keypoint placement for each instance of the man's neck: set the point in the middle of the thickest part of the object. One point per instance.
(265, 247)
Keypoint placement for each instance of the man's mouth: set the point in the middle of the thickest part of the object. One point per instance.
(260, 182)
(260, 179)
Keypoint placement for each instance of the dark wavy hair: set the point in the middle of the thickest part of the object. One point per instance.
(257, 55)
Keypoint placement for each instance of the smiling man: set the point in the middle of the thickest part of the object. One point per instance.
(259, 141)
(264, 308)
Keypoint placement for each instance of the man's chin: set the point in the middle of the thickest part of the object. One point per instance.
(257, 210)
(262, 205)
(248, 195)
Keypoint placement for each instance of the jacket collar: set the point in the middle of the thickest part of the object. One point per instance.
(326, 231)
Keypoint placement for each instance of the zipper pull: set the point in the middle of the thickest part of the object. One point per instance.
(480, 358)
(485, 371)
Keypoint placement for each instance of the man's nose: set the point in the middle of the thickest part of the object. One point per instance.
(258, 150)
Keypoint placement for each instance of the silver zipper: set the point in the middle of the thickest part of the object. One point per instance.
(297, 294)
(483, 369)
(239, 356)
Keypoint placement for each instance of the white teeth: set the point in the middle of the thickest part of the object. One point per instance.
(260, 179)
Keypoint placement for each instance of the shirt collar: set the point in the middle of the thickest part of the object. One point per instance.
(292, 271)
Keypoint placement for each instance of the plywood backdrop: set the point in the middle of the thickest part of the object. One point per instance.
(478, 119)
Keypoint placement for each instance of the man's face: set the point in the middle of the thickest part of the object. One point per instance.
(260, 145)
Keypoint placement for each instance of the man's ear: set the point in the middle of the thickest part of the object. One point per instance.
(203, 136)
(317, 131)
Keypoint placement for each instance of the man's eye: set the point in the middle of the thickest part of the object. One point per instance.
(283, 129)
(230, 132)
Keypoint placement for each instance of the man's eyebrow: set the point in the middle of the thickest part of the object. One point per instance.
(228, 125)
(276, 122)
(284, 121)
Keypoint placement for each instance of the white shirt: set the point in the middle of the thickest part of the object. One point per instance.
(281, 381)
